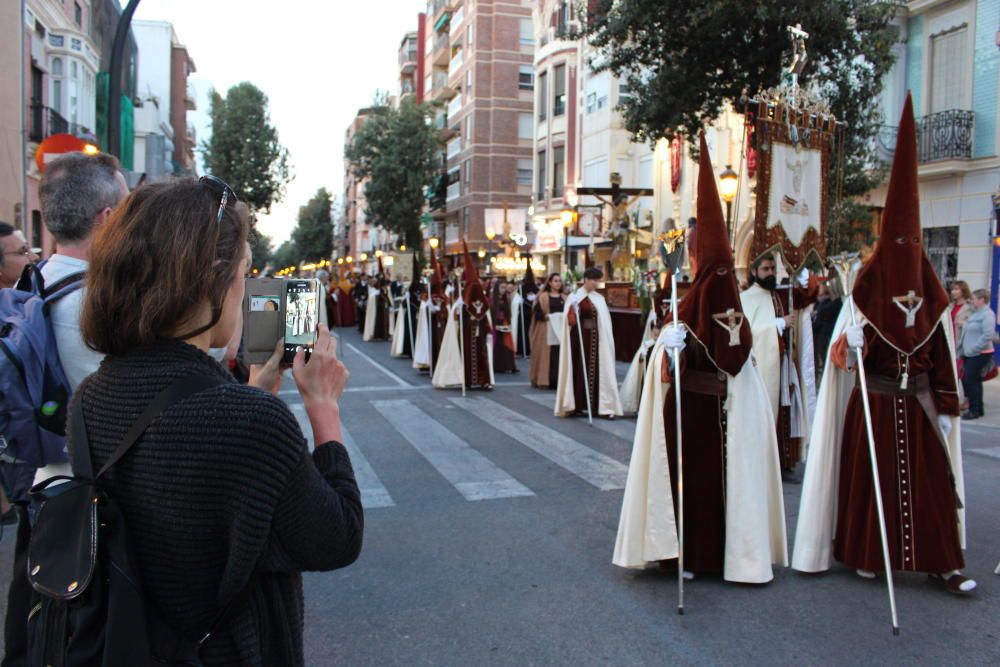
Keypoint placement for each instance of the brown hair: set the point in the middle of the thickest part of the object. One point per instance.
(964, 286)
(156, 261)
(983, 294)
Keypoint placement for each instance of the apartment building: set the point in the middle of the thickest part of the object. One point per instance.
(352, 234)
(948, 57)
(476, 54)
(411, 64)
(164, 136)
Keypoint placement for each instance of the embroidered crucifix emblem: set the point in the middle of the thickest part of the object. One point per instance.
(731, 321)
(909, 304)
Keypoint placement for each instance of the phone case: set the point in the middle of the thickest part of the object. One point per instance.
(262, 328)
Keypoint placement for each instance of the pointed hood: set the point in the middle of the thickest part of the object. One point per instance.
(528, 283)
(705, 306)
(381, 269)
(899, 268)
(416, 286)
(473, 288)
(437, 275)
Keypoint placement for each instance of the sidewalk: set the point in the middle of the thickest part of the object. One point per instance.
(991, 403)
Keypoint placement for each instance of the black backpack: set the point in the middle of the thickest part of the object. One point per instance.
(88, 604)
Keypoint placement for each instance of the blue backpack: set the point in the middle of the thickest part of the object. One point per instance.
(34, 391)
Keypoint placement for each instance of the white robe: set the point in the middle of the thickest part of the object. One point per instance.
(755, 525)
(449, 369)
(631, 388)
(422, 344)
(783, 382)
(370, 309)
(515, 318)
(817, 521)
(399, 331)
(608, 402)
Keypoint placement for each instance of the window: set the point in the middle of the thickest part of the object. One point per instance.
(527, 33)
(468, 35)
(78, 14)
(541, 176)
(543, 95)
(942, 249)
(468, 83)
(948, 69)
(624, 94)
(559, 18)
(524, 171)
(558, 170)
(559, 91)
(468, 130)
(525, 128)
(465, 222)
(526, 77)
(467, 174)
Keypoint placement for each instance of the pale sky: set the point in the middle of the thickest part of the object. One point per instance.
(318, 61)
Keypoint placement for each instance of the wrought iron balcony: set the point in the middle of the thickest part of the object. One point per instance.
(46, 121)
(945, 135)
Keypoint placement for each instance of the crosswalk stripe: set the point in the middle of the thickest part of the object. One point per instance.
(373, 493)
(623, 428)
(991, 453)
(593, 467)
(471, 473)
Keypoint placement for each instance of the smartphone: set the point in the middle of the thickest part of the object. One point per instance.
(302, 311)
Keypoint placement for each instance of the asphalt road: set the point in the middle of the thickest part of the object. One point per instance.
(489, 531)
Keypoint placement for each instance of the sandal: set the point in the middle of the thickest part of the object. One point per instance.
(959, 584)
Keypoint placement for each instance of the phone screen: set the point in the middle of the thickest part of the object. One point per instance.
(301, 315)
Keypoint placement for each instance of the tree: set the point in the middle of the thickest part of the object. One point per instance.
(313, 235)
(682, 61)
(396, 149)
(262, 248)
(244, 150)
(285, 256)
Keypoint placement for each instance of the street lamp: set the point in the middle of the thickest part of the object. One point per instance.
(567, 217)
(434, 243)
(728, 182)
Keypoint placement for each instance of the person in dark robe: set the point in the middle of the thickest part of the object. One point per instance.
(733, 516)
(359, 293)
(382, 305)
(544, 352)
(440, 305)
(903, 331)
(411, 308)
(528, 291)
(503, 334)
(476, 328)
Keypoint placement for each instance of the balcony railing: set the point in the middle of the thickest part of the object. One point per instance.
(455, 63)
(46, 121)
(454, 191)
(454, 147)
(454, 106)
(945, 135)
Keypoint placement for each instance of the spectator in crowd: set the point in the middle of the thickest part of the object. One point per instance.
(976, 347)
(221, 492)
(961, 305)
(825, 313)
(16, 255)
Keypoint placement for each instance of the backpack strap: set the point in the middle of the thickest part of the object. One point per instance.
(62, 287)
(176, 392)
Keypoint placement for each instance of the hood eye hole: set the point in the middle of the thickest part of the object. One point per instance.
(916, 240)
(722, 271)
(900, 240)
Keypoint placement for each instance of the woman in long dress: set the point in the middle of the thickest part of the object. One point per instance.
(545, 357)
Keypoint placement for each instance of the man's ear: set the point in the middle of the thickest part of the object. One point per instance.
(102, 217)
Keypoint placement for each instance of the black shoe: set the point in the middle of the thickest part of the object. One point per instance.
(969, 415)
(8, 518)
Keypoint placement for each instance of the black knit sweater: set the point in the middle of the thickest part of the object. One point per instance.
(220, 486)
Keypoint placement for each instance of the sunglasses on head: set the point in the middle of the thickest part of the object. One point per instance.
(220, 188)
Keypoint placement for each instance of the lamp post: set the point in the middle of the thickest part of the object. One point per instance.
(490, 235)
(728, 183)
(567, 217)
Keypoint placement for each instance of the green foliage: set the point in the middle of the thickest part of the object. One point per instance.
(262, 248)
(244, 149)
(395, 149)
(313, 235)
(683, 60)
(285, 256)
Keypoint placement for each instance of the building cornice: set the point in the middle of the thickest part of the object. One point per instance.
(920, 6)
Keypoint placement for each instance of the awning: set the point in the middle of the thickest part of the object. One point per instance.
(442, 21)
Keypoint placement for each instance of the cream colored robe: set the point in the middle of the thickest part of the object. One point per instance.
(422, 343)
(783, 383)
(399, 332)
(818, 508)
(608, 402)
(370, 308)
(631, 388)
(755, 513)
(449, 371)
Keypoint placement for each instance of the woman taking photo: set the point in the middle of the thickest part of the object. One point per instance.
(544, 356)
(976, 347)
(220, 494)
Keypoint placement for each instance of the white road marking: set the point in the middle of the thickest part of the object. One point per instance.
(991, 453)
(623, 428)
(471, 473)
(593, 467)
(379, 366)
(373, 492)
(352, 390)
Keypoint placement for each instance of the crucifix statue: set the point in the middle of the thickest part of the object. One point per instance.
(731, 321)
(909, 303)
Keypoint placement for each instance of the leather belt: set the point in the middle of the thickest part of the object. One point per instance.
(703, 382)
(589, 324)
